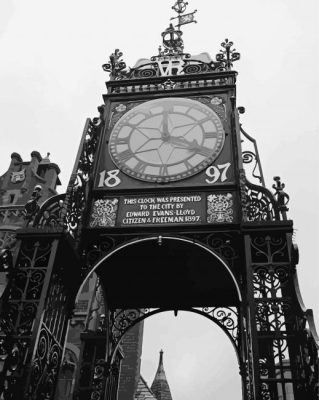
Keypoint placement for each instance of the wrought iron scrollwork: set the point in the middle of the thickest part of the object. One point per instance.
(224, 245)
(269, 249)
(45, 365)
(227, 55)
(116, 65)
(250, 156)
(22, 297)
(66, 211)
(226, 317)
(123, 320)
(97, 250)
(52, 213)
(260, 204)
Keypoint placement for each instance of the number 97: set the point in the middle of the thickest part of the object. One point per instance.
(216, 172)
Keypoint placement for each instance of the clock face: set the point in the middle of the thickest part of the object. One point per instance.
(166, 140)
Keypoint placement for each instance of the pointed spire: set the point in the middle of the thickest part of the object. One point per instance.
(160, 386)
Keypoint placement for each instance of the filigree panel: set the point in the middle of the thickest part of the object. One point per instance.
(225, 317)
(104, 213)
(67, 210)
(220, 208)
(17, 320)
(269, 249)
(269, 281)
(45, 366)
(225, 245)
(52, 213)
(273, 316)
(250, 157)
(260, 204)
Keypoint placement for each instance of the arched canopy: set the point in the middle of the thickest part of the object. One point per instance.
(166, 271)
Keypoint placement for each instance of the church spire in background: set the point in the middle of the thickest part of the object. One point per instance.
(160, 386)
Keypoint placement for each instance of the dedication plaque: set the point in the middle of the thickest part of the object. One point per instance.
(173, 209)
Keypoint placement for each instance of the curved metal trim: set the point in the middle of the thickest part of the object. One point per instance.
(48, 202)
(192, 310)
(146, 239)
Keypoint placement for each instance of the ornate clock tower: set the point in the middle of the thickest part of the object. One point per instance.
(162, 209)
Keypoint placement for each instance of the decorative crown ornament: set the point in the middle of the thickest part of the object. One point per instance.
(171, 59)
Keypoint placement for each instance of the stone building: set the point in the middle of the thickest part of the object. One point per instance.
(159, 390)
(25, 182)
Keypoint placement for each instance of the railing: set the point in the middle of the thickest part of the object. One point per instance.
(259, 204)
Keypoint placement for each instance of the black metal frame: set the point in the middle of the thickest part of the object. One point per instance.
(270, 324)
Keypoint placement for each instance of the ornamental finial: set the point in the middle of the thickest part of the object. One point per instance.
(172, 37)
(180, 7)
(227, 55)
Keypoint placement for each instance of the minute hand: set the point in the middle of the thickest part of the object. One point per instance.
(192, 146)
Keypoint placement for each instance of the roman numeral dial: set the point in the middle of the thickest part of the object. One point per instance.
(166, 140)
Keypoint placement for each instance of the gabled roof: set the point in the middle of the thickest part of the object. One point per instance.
(143, 392)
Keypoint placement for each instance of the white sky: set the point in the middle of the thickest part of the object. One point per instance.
(51, 80)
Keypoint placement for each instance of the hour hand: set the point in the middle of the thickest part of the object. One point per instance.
(164, 131)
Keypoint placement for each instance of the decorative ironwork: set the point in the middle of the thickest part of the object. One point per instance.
(266, 249)
(21, 298)
(308, 358)
(116, 65)
(104, 213)
(32, 207)
(171, 59)
(67, 210)
(52, 213)
(127, 86)
(224, 244)
(169, 84)
(227, 55)
(172, 42)
(96, 250)
(260, 204)
(101, 371)
(220, 208)
(272, 315)
(94, 368)
(225, 317)
(180, 7)
(282, 197)
(123, 320)
(45, 366)
(251, 156)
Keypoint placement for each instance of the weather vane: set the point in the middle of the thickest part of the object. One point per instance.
(172, 38)
(180, 7)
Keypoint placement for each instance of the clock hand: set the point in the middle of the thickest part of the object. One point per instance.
(164, 132)
(185, 144)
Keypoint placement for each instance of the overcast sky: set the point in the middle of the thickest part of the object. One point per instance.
(51, 80)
